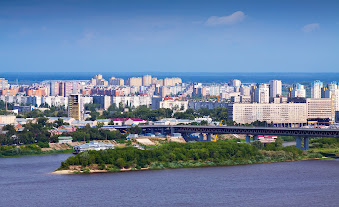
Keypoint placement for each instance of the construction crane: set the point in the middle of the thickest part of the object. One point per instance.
(215, 138)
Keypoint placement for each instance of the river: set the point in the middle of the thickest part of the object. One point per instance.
(25, 181)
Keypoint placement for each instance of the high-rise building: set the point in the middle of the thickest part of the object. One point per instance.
(316, 89)
(4, 84)
(320, 108)
(334, 95)
(116, 81)
(172, 81)
(99, 81)
(235, 83)
(146, 80)
(298, 91)
(103, 101)
(134, 81)
(275, 88)
(68, 88)
(261, 94)
(75, 107)
(245, 90)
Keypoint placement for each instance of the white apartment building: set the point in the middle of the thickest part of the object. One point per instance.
(298, 91)
(55, 101)
(196, 105)
(261, 94)
(316, 89)
(245, 90)
(169, 103)
(132, 101)
(275, 88)
(294, 114)
(235, 83)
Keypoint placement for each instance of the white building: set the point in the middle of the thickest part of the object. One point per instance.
(55, 101)
(298, 91)
(320, 108)
(261, 94)
(275, 88)
(132, 101)
(7, 119)
(316, 89)
(93, 145)
(281, 113)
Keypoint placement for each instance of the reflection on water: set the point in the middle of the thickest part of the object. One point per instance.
(25, 181)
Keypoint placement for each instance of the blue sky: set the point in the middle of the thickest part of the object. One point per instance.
(169, 36)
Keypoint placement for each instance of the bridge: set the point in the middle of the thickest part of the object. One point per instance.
(185, 130)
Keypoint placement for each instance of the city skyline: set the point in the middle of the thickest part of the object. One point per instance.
(180, 36)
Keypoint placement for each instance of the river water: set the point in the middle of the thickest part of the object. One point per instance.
(25, 181)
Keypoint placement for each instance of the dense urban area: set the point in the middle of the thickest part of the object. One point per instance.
(71, 116)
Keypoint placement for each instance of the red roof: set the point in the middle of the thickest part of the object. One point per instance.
(125, 119)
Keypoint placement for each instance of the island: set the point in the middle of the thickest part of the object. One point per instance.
(179, 155)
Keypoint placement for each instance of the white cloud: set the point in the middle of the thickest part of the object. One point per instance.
(311, 27)
(234, 18)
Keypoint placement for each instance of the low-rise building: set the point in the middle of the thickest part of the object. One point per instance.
(7, 119)
(128, 121)
(65, 139)
(93, 145)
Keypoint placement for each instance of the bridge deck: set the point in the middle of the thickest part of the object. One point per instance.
(303, 132)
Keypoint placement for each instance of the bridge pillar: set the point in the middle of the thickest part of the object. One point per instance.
(248, 138)
(298, 142)
(172, 131)
(201, 137)
(162, 131)
(209, 137)
(152, 130)
(306, 140)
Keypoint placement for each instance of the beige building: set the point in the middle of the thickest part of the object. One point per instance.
(99, 81)
(134, 81)
(172, 81)
(334, 95)
(76, 107)
(7, 119)
(282, 113)
(320, 108)
(146, 80)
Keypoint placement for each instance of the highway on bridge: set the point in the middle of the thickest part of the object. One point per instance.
(302, 132)
(186, 130)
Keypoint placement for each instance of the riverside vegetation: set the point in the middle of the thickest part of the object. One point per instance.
(28, 150)
(177, 155)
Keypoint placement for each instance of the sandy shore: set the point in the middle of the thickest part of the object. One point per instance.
(69, 172)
